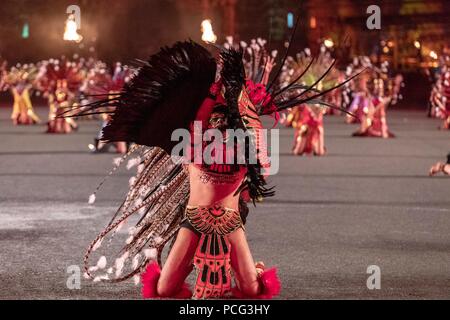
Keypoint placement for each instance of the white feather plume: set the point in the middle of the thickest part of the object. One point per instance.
(91, 199)
(136, 279)
(101, 264)
(132, 181)
(116, 161)
(97, 245)
(150, 253)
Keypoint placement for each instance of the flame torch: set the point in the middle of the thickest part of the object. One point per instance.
(207, 31)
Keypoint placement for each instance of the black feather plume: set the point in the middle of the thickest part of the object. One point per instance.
(233, 77)
(163, 96)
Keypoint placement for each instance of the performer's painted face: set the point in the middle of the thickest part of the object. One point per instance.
(218, 118)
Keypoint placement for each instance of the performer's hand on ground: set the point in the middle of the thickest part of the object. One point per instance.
(439, 167)
(259, 267)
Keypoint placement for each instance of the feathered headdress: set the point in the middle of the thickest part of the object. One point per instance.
(21, 73)
(380, 78)
(55, 70)
(255, 56)
(100, 82)
(281, 92)
(317, 68)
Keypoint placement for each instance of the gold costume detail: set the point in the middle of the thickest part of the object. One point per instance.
(213, 219)
(212, 256)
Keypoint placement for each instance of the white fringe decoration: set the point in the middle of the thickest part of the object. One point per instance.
(133, 162)
(125, 255)
(116, 161)
(140, 168)
(120, 226)
(150, 253)
(138, 202)
(91, 199)
(119, 266)
(100, 278)
(129, 240)
(136, 279)
(136, 261)
(119, 263)
(97, 245)
(142, 211)
(158, 240)
(132, 181)
(93, 269)
(101, 264)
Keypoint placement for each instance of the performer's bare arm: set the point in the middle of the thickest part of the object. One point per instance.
(440, 167)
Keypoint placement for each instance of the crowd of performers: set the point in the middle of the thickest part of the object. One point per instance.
(63, 83)
(372, 94)
(365, 99)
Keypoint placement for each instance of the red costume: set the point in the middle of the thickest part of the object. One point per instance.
(60, 80)
(308, 125)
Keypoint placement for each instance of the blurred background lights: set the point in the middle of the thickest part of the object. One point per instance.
(290, 20)
(207, 31)
(70, 30)
(328, 43)
(26, 31)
